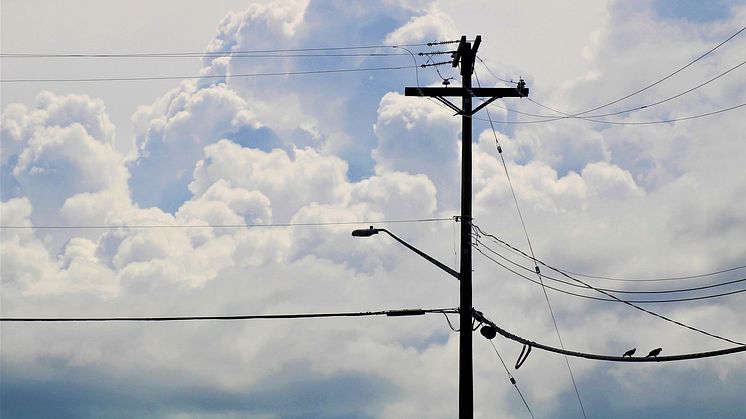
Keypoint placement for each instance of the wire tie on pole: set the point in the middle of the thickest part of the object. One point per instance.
(523, 356)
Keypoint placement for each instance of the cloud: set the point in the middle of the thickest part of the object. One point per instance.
(418, 137)
(176, 128)
(433, 26)
(218, 158)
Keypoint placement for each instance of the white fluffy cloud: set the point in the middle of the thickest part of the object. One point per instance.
(217, 157)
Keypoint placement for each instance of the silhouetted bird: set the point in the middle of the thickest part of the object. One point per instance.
(629, 353)
(654, 353)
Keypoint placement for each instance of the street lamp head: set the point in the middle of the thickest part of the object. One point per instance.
(365, 232)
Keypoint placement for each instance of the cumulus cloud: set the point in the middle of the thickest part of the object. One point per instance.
(62, 147)
(217, 158)
(176, 128)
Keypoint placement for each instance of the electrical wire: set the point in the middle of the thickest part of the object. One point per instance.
(549, 118)
(613, 299)
(668, 358)
(492, 73)
(671, 278)
(528, 240)
(654, 122)
(204, 54)
(669, 291)
(388, 313)
(659, 81)
(578, 115)
(513, 249)
(512, 380)
(226, 76)
(652, 313)
(153, 226)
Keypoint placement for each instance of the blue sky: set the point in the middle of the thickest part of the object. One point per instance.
(618, 199)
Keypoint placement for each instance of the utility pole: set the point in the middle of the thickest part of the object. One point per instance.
(465, 56)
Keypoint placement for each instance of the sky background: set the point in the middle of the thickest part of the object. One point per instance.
(619, 199)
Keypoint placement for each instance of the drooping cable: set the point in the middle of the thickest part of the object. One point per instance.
(666, 358)
(633, 305)
(654, 122)
(511, 248)
(616, 300)
(659, 81)
(591, 118)
(528, 240)
(572, 284)
(670, 278)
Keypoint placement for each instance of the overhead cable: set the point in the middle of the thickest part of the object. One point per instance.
(617, 300)
(633, 305)
(174, 226)
(512, 379)
(388, 313)
(659, 81)
(226, 76)
(202, 53)
(572, 284)
(646, 279)
(528, 240)
(591, 118)
(665, 358)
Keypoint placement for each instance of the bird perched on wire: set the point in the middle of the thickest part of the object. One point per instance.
(629, 353)
(655, 352)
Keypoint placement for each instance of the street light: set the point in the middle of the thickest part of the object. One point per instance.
(466, 387)
(367, 232)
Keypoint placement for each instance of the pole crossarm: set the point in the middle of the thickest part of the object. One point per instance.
(441, 93)
(496, 92)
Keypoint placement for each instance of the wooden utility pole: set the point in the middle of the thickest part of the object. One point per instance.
(465, 57)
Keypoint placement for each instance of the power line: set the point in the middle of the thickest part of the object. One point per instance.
(528, 240)
(226, 76)
(671, 278)
(670, 291)
(668, 358)
(654, 122)
(513, 249)
(578, 115)
(613, 299)
(512, 380)
(172, 226)
(652, 313)
(493, 74)
(549, 118)
(207, 54)
(659, 81)
(388, 313)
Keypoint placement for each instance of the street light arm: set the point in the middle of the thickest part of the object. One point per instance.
(423, 254)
